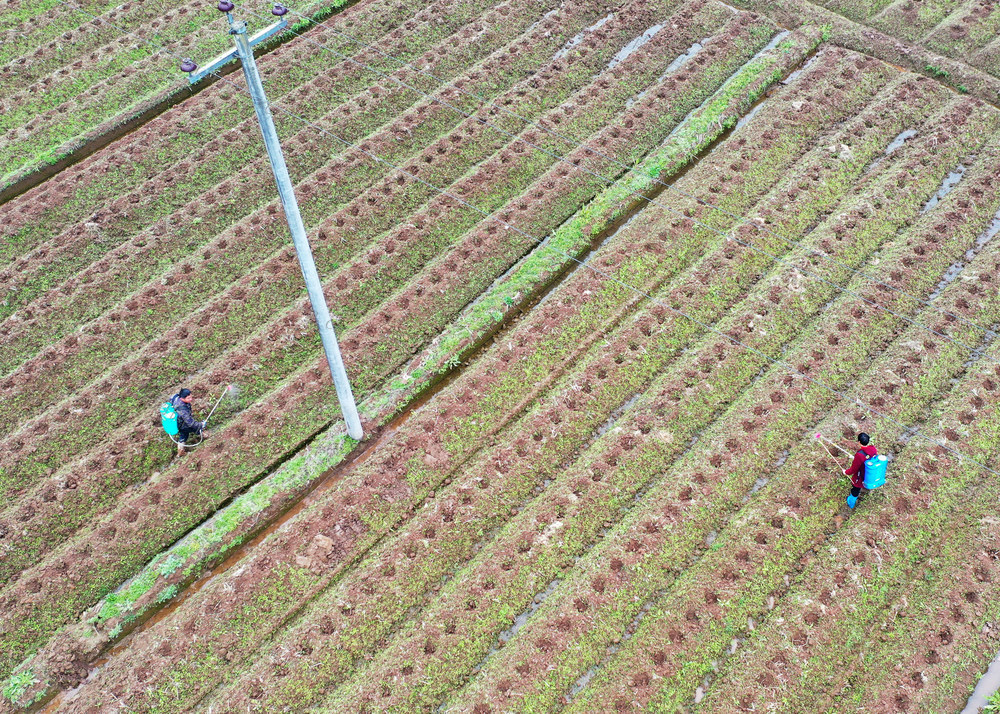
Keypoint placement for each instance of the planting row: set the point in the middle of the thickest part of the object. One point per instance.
(254, 300)
(971, 27)
(63, 43)
(855, 10)
(540, 542)
(488, 249)
(885, 566)
(164, 224)
(450, 651)
(523, 653)
(912, 21)
(114, 68)
(64, 659)
(567, 342)
(685, 633)
(196, 145)
(28, 28)
(966, 75)
(954, 28)
(833, 575)
(937, 666)
(619, 384)
(16, 12)
(281, 358)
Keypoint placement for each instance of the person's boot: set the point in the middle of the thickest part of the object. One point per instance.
(180, 450)
(851, 500)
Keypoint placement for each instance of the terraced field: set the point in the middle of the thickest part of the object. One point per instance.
(600, 272)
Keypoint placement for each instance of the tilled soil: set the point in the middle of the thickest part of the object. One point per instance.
(598, 447)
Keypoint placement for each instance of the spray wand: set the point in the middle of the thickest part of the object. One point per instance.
(224, 393)
(824, 442)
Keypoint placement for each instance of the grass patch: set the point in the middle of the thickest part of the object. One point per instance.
(18, 684)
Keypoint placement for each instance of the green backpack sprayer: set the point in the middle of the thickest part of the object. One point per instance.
(168, 419)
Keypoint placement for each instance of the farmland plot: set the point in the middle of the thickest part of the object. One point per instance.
(600, 271)
(965, 31)
(75, 71)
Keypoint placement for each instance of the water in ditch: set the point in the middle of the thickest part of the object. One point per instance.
(896, 143)
(987, 686)
(947, 185)
(678, 62)
(632, 47)
(958, 266)
(794, 75)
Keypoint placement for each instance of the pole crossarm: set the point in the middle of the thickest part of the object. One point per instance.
(226, 57)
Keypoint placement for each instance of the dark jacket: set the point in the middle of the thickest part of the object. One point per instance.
(184, 418)
(857, 470)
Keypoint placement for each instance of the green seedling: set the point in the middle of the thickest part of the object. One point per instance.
(18, 684)
(992, 704)
(936, 71)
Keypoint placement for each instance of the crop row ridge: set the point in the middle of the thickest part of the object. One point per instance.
(117, 127)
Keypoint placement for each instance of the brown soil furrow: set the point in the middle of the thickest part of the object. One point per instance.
(861, 38)
(208, 476)
(170, 143)
(129, 78)
(946, 647)
(362, 219)
(42, 67)
(228, 151)
(147, 603)
(588, 283)
(884, 549)
(967, 30)
(746, 429)
(416, 680)
(807, 657)
(147, 251)
(268, 346)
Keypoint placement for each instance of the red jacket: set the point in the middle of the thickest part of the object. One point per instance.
(857, 470)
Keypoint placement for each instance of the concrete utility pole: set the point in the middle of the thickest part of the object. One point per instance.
(244, 50)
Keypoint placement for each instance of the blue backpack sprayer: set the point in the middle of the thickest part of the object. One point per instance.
(168, 419)
(875, 466)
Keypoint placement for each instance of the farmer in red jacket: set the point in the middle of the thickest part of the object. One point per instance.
(857, 469)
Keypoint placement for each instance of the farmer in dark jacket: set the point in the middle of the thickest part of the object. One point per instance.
(186, 423)
(857, 469)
